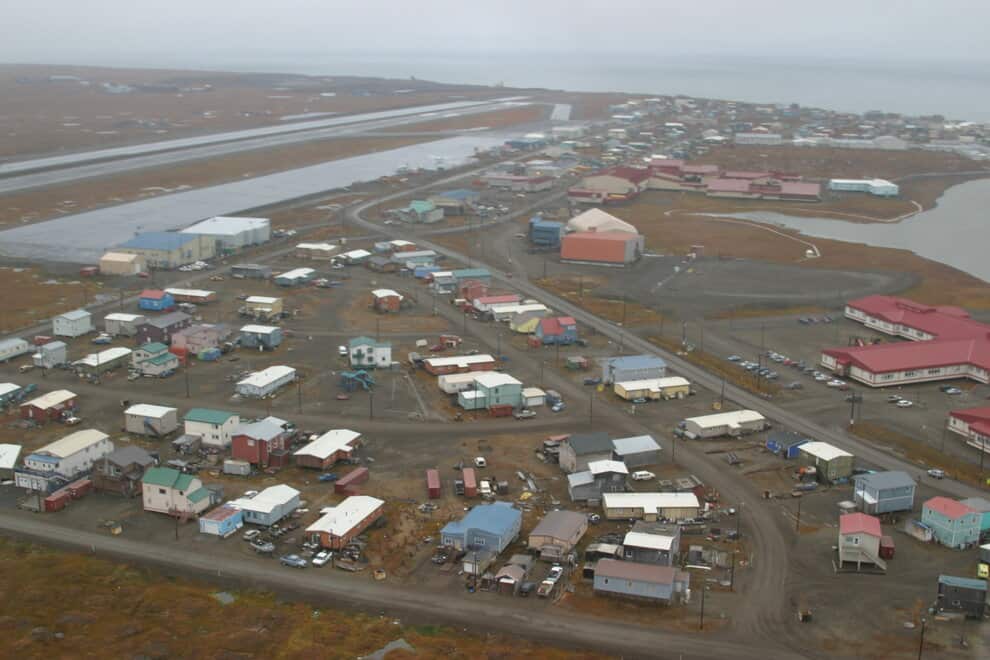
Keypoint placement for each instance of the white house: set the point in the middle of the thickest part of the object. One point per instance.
(265, 382)
(165, 490)
(269, 506)
(120, 323)
(63, 459)
(73, 324)
(147, 419)
(213, 427)
(365, 352)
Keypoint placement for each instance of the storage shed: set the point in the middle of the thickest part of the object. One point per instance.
(637, 451)
(433, 483)
(148, 419)
(266, 382)
(831, 464)
(222, 521)
(73, 324)
(351, 480)
(632, 368)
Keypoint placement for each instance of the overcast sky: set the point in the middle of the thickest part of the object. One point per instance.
(135, 32)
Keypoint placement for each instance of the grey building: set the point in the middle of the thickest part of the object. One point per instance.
(490, 527)
(652, 543)
(637, 451)
(645, 581)
(582, 448)
(120, 472)
(884, 492)
(250, 271)
(159, 329)
(51, 355)
(632, 367)
(605, 476)
(557, 534)
(966, 595)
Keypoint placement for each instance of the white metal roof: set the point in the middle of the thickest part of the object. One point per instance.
(654, 384)
(340, 519)
(458, 360)
(96, 359)
(583, 478)
(317, 247)
(456, 379)
(385, 293)
(471, 395)
(532, 392)
(823, 450)
(122, 316)
(398, 242)
(296, 274)
(356, 254)
(51, 399)
(494, 379)
(733, 418)
(635, 444)
(262, 300)
(649, 502)
(259, 329)
(515, 308)
(75, 315)
(650, 541)
(227, 225)
(122, 257)
(267, 376)
(601, 467)
(266, 500)
(149, 410)
(8, 456)
(192, 293)
(73, 443)
(7, 388)
(330, 442)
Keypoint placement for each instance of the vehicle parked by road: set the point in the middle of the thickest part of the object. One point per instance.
(292, 561)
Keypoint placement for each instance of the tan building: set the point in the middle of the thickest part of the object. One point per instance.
(672, 387)
(122, 263)
(262, 306)
(167, 249)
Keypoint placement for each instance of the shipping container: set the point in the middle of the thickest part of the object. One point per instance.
(57, 501)
(353, 478)
(470, 483)
(79, 489)
(240, 468)
(501, 410)
(433, 483)
(886, 547)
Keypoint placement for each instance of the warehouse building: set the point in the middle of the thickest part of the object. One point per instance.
(233, 233)
(973, 424)
(340, 524)
(250, 271)
(653, 389)
(616, 184)
(265, 382)
(651, 507)
(506, 311)
(322, 452)
(269, 506)
(62, 461)
(602, 248)
(123, 324)
(878, 187)
(735, 423)
(167, 249)
(50, 355)
(73, 324)
(262, 337)
(884, 492)
(147, 419)
(95, 364)
(637, 451)
(295, 277)
(632, 368)
(49, 406)
(486, 303)
(122, 263)
(832, 465)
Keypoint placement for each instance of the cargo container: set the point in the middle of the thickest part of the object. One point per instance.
(886, 547)
(79, 489)
(233, 466)
(501, 410)
(353, 478)
(433, 483)
(57, 501)
(470, 483)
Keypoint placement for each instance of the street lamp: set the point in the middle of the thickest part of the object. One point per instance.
(921, 642)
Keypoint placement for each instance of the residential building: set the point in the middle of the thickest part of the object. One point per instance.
(982, 507)
(73, 324)
(148, 419)
(62, 461)
(262, 443)
(121, 263)
(604, 476)
(214, 427)
(171, 492)
(832, 465)
(557, 330)
(973, 424)
(269, 506)
(492, 389)
(47, 407)
(653, 389)
(953, 524)
(193, 296)
(386, 300)
(651, 507)
(965, 595)
(652, 543)
(9, 454)
(884, 492)
(9, 392)
(50, 355)
(233, 233)
(156, 300)
(325, 450)
(631, 368)
(859, 540)
(459, 364)
(154, 359)
(486, 527)
(557, 534)
(340, 524)
(221, 521)
(486, 302)
(354, 257)
(582, 448)
(602, 248)
(455, 202)
(421, 212)
(366, 353)
(159, 329)
(168, 249)
(200, 338)
(295, 277)
(120, 472)
(101, 362)
(734, 423)
(650, 582)
(316, 251)
(266, 382)
(262, 337)
(636, 451)
(545, 233)
(122, 324)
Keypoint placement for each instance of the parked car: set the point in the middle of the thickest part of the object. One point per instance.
(593, 381)
(643, 475)
(558, 407)
(480, 462)
(342, 351)
(322, 558)
(639, 400)
(893, 398)
(294, 561)
(904, 403)
(524, 414)
(935, 473)
(556, 572)
(262, 547)
(251, 534)
(733, 358)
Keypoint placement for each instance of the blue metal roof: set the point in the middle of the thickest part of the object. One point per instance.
(159, 240)
(497, 518)
(460, 193)
(965, 583)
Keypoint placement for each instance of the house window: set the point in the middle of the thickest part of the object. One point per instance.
(605, 580)
(479, 541)
(161, 491)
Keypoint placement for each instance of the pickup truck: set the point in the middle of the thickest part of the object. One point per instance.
(545, 588)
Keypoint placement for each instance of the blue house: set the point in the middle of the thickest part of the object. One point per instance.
(557, 330)
(632, 367)
(155, 300)
(884, 492)
(491, 527)
(953, 524)
(222, 521)
(982, 507)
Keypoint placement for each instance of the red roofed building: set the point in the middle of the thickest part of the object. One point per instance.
(859, 540)
(557, 330)
(972, 424)
(953, 523)
(946, 344)
(612, 248)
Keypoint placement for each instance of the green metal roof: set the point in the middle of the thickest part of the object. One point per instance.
(163, 358)
(197, 495)
(421, 206)
(161, 476)
(961, 582)
(207, 416)
(154, 347)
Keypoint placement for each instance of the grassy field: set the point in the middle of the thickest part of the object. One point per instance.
(66, 605)
(30, 296)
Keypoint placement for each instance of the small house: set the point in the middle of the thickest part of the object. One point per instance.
(266, 382)
(222, 521)
(533, 397)
(262, 443)
(492, 389)
(154, 359)
(982, 507)
(147, 419)
(321, 251)
(101, 362)
(557, 534)
(325, 450)
(73, 324)
(269, 506)
(120, 472)
(121, 324)
(262, 308)
(262, 337)
(47, 407)
(652, 543)
(355, 257)
(859, 540)
(650, 582)
(340, 524)
(386, 300)
(382, 264)
(601, 477)
(169, 491)
(557, 330)
(214, 427)
(421, 212)
(637, 451)
(953, 524)
(884, 492)
(632, 367)
(965, 595)
(296, 277)
(490, 527)
(581, 448)
(51, 355)
(201, 337)
(366, 353)
(832, 465)
(159, 329)
(156, 300)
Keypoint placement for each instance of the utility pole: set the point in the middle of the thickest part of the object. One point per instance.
(556, 355)
(581, 287)
(921, 643)
(721, 396)
(378, 329)
(121, 292)
(701, 623)
(591, 408)
(464, 313)
(542, 363)
(498, 344)
(186, 372)
(683, 332)
(763, 338)
(371, 404)
(299, 395)
(797, 521)
(732, 572)
(701, 348)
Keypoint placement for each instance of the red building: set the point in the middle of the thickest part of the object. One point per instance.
(263, 443)
(433, 483)
(349, 481)
(51, 406)
(339, 525)
(459, 364)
